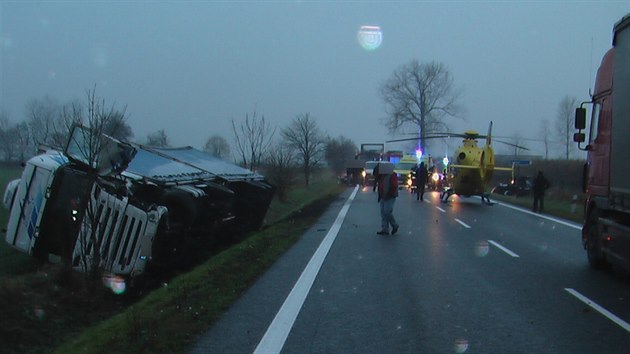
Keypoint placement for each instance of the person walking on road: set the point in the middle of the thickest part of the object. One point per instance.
(541, 184)
(387, 193)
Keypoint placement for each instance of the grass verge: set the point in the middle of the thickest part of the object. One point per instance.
(558, 207)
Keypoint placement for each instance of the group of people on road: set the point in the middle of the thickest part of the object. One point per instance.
(386, 182)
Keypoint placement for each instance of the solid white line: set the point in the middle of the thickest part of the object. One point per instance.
(278, 331)
(462, 223)
(621, 323)
(440, 209)
(559, 221)
(503, 249)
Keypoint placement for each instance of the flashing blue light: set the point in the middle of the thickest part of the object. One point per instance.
(419, 153)
(445, 160)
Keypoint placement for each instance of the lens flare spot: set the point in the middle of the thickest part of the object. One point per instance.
(461, 345)
(116, 283)
(370, 37)
(39, 313)
(482, 248)
(100, 56)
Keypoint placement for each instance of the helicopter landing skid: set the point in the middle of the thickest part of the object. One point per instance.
(447, 193)
(485, 199)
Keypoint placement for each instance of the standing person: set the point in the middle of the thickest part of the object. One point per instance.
(376, 175)
(540, 186)
(387, 193)
(421, 180)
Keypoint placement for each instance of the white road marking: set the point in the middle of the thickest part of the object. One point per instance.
(462, 223)
(440, 209)
(503, 249)
(621, 323)
(278, 331)
(559, 221)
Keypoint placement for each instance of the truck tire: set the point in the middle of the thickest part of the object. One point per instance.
(596, 257)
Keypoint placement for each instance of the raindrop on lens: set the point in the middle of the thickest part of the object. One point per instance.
(370, 37)
(482, 248)
(461, 345)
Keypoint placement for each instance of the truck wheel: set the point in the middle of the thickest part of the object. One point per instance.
(594, 252)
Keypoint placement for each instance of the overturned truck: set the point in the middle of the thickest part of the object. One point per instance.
(123, 207)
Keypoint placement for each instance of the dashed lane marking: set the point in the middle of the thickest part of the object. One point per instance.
(462, 223)
(497, 245)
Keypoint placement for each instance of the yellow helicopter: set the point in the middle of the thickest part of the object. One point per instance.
(474, 165)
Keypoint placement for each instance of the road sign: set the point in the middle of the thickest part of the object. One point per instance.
(521, 162)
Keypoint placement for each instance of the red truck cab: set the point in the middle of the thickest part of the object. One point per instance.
(606, 229)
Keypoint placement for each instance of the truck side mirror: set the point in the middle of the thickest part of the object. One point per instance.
(579, 137)
(580, 119)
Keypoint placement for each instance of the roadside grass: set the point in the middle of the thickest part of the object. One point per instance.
(171, 318)
(557, 205)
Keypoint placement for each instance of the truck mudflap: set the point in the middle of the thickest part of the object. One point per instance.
(116, 236)
(615, 241)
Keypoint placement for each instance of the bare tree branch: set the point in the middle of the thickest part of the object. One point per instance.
(304, 136)
(252, 138)
(422, 95)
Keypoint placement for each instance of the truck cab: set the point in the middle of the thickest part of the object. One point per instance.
(606, 175)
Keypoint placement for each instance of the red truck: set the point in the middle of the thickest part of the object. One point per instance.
(606, 182)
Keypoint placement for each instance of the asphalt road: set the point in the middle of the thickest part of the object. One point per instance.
(460, 277)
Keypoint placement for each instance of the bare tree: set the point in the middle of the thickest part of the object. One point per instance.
(281, 163)
(564, 124)
(43, 120)
(89, 144)
(158, 139)
(338, 151)
(545, 134)
(304, 136)
(422, 95)
(23, 140)
(216, 145)
(7, 145)
(518, 143)
(117, 126)
(14, 139)
(252, 139)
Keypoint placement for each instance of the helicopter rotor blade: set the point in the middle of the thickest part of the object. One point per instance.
(489, 138)
(420, 137)
(514, 145)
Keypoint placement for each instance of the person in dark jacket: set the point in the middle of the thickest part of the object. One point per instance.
(387, 193)
(376, 175)
(541, 184)
(421, 180)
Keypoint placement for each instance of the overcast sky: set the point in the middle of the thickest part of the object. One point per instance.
(192, 67)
